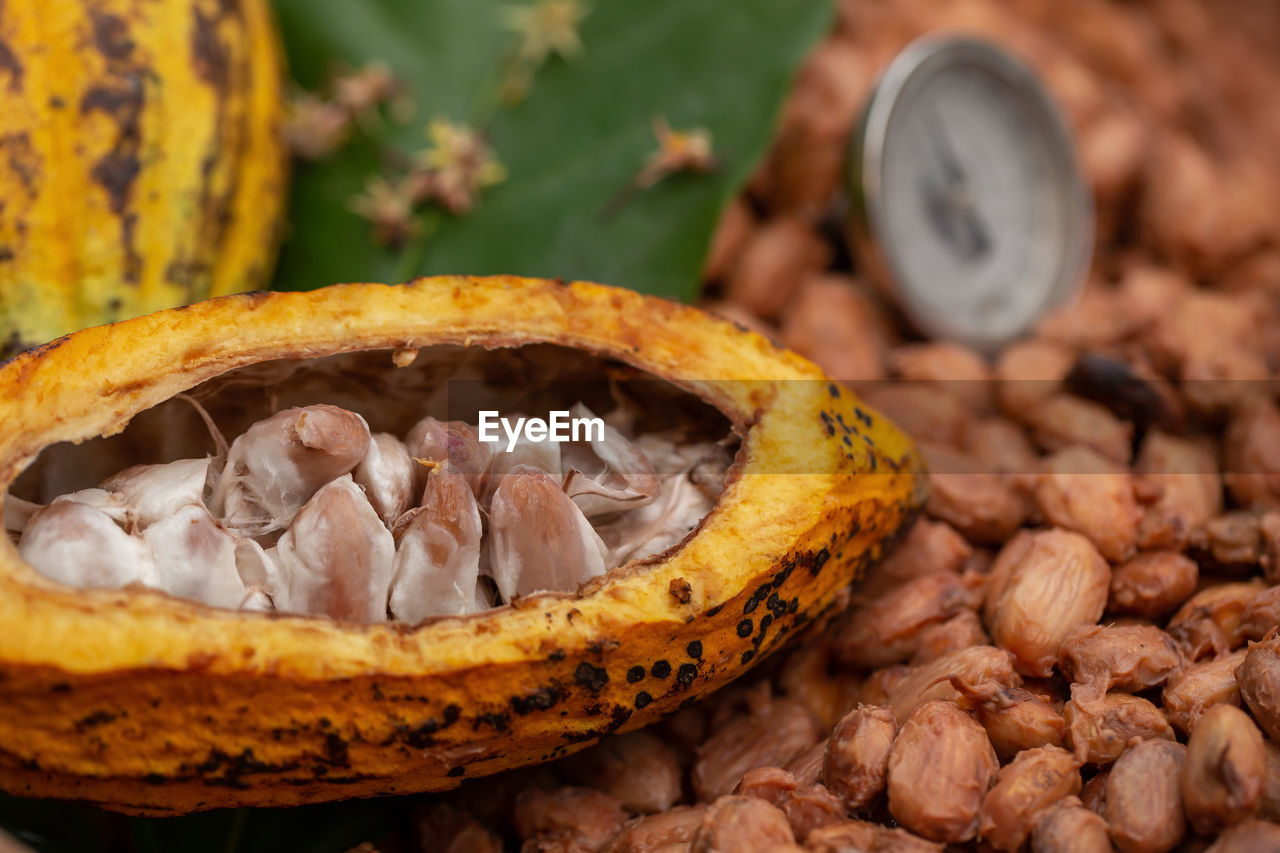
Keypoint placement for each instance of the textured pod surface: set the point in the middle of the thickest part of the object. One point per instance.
(142, 161)
(145, 703)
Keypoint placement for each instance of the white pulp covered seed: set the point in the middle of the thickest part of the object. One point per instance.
(538, 537)
(336, 558)
(309, 513)
(437, 562)
(279, 463)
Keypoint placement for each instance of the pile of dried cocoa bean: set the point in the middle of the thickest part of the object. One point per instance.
(1076, 648)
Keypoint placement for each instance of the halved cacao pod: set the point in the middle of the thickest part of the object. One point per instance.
(148, 704)
(143, 162)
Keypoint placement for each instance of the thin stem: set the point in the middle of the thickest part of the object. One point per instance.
(411, 256)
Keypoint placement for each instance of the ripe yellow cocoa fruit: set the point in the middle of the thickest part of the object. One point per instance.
(151, 704)
(141, 160)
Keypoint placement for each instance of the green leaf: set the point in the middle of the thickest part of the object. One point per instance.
(572, 146)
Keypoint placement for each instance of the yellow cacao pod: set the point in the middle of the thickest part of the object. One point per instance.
(150, 704)
(141, 163)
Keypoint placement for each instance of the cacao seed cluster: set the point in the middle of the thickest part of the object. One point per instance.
(309, 512)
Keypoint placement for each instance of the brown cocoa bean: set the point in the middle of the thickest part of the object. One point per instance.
(1225, 770)
(1144, 798)
(1152, 584)
(741, 825)
(887, 630)
(857, 758)
(1081, 491)
(1259, 677)
(1099, 730)
(769, 735)
(1212, 621)
(1035, 780)
(1048, 584)
(939, 772)
(1200, 686)
(1067, 827)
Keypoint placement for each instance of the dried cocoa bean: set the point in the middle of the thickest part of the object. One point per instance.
(772, 265)
(878, 686)
(928, 547)
(1094, 793)
(1081, 491)
(741, 825)
(1225, 770)
(655, 832)
(1028, 373)
(1144, 798)
(450, 830)
(948, 368)
(1232, 542)
(807, 766)
(1043, 587)
(1182, 476)
(1261, 614)
(851, 835)
(769, 735)
(978, 503)
(1250, 836)
(1067, 827)
(942, 638)
(638, 768)
(1251, 463)
(810, 676)
(732, 234)
(1002, 447)
(1259, 677)
(587, 818)
(979, 668)
(1152, 584)
(1123, 657)
(939, 771)
(857, 757)
(1212, 621)
(811, 808)
(834, 321)
(1035, 780)
(887, 630)
(1063, 421)
(1015, 719)
(1270, 805)
(1099, 730)
(1199, 687)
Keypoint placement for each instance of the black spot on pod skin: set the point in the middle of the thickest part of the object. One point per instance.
(540, 699)
(661, 669)
(695, 649)
(457, 771)
(499, 720)
(745, 627)
(643, 699)
(618, 717)
(593, 678)
(686, 674)
(747, 656)
(636, 673)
